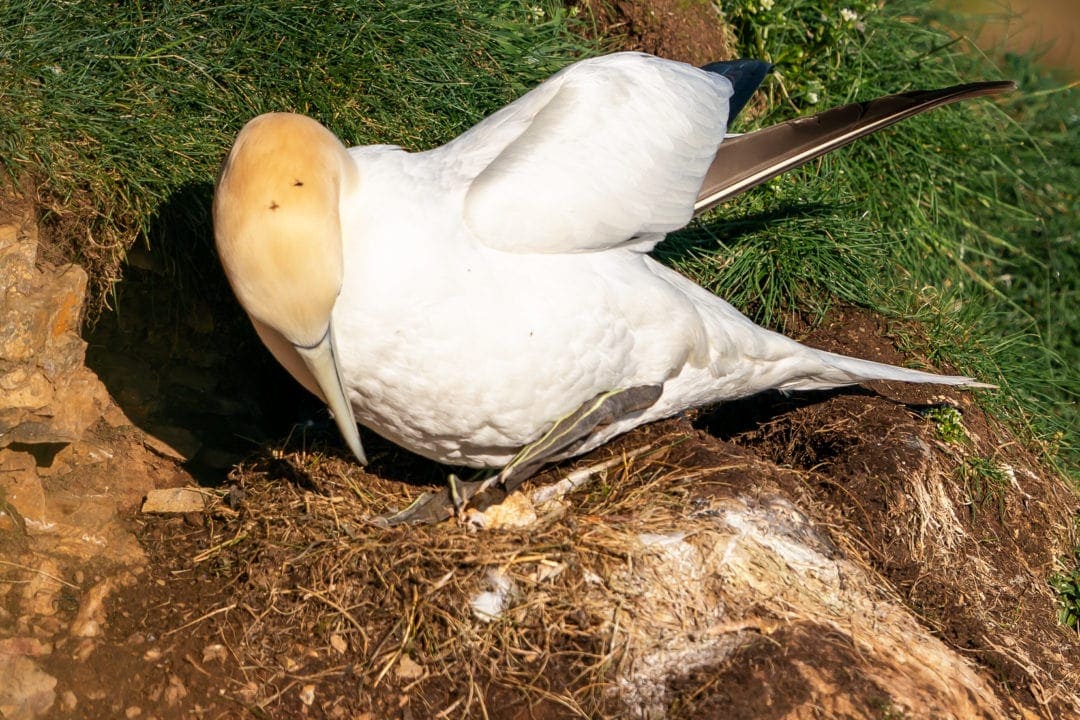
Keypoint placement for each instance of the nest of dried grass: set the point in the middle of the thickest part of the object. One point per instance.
(294, 538)
(679, 565)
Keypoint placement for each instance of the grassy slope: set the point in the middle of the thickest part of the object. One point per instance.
(964, 219)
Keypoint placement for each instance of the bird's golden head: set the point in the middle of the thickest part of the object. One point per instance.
(277, 222)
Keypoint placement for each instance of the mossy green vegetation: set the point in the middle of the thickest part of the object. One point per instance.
(948, 424)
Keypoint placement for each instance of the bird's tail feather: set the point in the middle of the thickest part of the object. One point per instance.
(834, 370)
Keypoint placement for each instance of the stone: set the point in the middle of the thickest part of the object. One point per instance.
(91, 616)
(79, 404)
(21, 322)
(46, 394)
(65, 293)
(20, 486)
(84, 650)
(174, 500)
(115, 417)
(28, 646)
(215, 652)
(27, 691)
(40, 593)
(25, 388)
(18, 254)
(62, 356)
(15, 273)
(408, 669)
(175, 691)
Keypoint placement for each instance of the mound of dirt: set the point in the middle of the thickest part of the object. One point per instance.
(692, 32)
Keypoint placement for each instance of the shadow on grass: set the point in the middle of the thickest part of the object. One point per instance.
(705, 235)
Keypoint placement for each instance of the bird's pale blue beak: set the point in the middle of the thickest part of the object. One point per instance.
(321, 361)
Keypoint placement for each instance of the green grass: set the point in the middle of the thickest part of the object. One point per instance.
(112, 109)
(1067, 585)
(117, 116)
(963, 220)
(948, 424)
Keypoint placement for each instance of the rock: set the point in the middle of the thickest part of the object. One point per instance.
(79, 404)
(91, 615)
(27, 691)
(21, 323)
(408, 669)
(27, 646)
(67, 292)
(39, 594)
(25, 388)
(46, 394)
(20, 485)
(174, 500)
(214, 652)
(175, 691)
(84, 650)
(78, 401)
(115, 417)
(18, 252)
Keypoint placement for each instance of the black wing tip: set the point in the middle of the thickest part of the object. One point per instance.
(998, 85)
(745, 74)
(959, 92)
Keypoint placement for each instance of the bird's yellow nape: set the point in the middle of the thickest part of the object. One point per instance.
(277, 225)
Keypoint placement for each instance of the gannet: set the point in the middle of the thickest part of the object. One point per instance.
(491, 302)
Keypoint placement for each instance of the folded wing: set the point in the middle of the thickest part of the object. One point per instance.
(609, 152)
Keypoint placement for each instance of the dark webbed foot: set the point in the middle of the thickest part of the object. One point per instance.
(567, 433)
(434, 507)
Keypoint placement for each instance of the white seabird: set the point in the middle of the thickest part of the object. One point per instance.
(496, 293)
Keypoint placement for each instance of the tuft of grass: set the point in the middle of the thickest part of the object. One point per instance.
(1067, 586)
(948, 424)
(985, 483)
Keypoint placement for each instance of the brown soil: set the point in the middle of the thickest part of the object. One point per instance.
(687, 30)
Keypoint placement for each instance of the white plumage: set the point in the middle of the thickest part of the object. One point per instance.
(491, 286)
